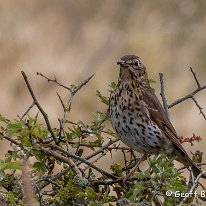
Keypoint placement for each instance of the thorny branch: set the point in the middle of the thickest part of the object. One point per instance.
(74, 161)
(188, 96)
(36, 102)
(73, 90)
(27, 111)
(164, 100)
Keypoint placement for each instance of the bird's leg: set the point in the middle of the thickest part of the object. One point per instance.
(144, 157)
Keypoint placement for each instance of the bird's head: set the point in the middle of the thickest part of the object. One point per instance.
(131, 68)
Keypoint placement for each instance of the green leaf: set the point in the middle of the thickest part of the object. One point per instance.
(10, 165)
(113, 85)
(152, 81)
(11, 198)
(100, 116)
(3, 119)
(17, 128)
(141, 175)
(91, 194)
(104, 99)
(38, 166)
(117, 169)
(73, 86)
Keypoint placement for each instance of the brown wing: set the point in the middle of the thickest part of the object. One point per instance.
(158, 116)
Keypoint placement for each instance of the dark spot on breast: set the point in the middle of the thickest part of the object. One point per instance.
(127, 127)
(141, 125)
(158, 137)
(143, 138)
(153, 126)
(137, 98)
(136, 131)
(127, 86)
(120, 91)
(156, 132)
(133, 85)
(151, 133)
(137, 109)
(117, 115)
(140, 115)
(146, 121)
(124, 130)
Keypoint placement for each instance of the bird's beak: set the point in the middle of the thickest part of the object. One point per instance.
(120, 62)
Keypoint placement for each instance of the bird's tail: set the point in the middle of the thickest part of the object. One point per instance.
(188, 162)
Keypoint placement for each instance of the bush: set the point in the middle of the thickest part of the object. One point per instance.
(29, 174)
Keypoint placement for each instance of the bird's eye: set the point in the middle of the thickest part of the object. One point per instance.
(136, 63)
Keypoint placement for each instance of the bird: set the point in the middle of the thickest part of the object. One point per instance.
(138, 117)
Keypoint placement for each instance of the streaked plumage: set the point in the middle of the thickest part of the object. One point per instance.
(139, 118)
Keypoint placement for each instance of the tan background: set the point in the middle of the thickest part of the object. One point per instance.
(74, 39)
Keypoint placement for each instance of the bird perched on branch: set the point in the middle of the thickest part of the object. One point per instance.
(138, 117)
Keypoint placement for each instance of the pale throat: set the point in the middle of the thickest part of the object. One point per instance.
(133, 82)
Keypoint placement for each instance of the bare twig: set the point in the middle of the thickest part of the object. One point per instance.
(94, 161)
(102, 148)
(188, 96)
(44, 114)
(26, 112)
(164, 100)
(56, 177)
(199, 107)
(194, 75)
(191, 95)
(73, 167)
(62, 103)
(83, 160)
(10, 139)
(72, 91)
(54, 80)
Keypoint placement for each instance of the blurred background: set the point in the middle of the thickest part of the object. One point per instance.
(71, 40)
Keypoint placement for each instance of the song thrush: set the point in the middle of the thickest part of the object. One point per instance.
(138, 117)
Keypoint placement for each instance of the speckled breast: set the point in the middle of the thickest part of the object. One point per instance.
(132, 124)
